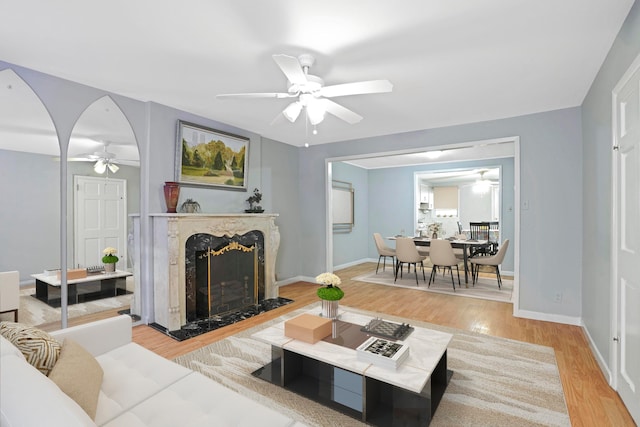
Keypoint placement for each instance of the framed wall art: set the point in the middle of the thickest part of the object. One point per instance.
(212, 158)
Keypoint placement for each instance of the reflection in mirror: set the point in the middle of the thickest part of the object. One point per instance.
(103, 189)
(30, 188)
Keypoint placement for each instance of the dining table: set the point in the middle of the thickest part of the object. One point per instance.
(465, 244)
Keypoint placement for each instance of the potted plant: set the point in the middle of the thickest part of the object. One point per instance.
(254, 202)
(190, 206)
(109, 259)
(330, 294)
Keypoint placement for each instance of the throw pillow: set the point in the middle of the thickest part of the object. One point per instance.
(79, 376)
(38, 347)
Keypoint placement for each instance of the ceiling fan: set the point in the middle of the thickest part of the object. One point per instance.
(103, 160)
(311, 93)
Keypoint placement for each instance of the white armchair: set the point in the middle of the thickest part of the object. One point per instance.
(10, 293)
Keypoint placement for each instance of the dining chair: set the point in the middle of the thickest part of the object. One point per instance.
(406, 252)
(493, 260)
(494, 243)
(442, 255)
(383, 251)
(480, 231)
(10, 293)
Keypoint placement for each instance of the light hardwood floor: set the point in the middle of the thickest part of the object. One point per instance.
(590, 400)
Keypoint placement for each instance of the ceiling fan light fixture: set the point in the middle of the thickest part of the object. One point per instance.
(292, 111)
(482, 185)
(100, 166)
(316, 111)
(113, 167)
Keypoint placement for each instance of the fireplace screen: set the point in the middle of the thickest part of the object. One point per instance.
(223, 274)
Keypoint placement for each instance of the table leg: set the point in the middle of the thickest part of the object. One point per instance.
(466, 268)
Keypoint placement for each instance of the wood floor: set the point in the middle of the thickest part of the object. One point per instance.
(590, 400)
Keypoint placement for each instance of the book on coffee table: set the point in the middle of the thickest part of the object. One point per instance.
(382, 352)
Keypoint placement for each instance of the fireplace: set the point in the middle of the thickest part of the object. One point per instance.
(227, 259)
(223, 274)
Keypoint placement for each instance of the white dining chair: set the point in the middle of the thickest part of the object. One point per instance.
(442, 255)
(384, 251)
(406, 252)
(493, 260)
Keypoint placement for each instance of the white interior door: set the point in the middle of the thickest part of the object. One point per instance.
(100, 209)
(627, 239)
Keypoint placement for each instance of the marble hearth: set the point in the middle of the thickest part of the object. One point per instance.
(171, 234)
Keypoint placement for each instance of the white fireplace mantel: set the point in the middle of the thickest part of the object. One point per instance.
(170, 234)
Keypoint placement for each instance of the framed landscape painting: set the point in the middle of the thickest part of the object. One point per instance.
(208, 157)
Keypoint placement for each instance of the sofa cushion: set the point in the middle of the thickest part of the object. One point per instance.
(7, 349)
(79, 375)
(39, 348)
(28, 398)
(131, 375)
(196, 400)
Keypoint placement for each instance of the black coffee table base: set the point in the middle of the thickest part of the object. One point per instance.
(366, 399)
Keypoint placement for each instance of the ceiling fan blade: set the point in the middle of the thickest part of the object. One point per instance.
(291, 68)
(357, 88)
(341, 112)
(80, 159)
(278, 95)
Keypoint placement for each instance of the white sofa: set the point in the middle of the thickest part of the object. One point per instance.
(139, 388)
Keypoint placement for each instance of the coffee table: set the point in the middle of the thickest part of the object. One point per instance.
(330, 372)
(90, 288)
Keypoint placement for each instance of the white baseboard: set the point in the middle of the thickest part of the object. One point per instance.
(295, 279)
(351, 264)
(548, 317)
(603, 365)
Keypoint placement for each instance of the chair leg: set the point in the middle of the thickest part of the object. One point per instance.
(452, 282)
(424, 278)
(432, 275)
(458, 270)
(415, 270)
(499, 277)
(398, 266)
(377, 266)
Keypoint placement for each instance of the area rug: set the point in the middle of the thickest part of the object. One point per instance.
(34, 312)
(496, 382)
(485, 288)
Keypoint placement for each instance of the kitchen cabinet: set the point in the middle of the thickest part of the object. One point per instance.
(426, 197)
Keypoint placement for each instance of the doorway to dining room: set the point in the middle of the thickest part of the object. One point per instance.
(390, 202)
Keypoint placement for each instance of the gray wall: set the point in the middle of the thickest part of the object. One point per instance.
(280, 178)
(551, 183)
(597, 155)
(30, 213)
(348, 248)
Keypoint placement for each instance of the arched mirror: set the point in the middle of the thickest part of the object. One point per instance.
(103, 190)
(30, 190)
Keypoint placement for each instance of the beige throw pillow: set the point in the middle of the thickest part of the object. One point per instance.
(38, 347)
(79, 375)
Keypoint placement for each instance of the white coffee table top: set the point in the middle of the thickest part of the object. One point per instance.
(426, 347)
(54, 281)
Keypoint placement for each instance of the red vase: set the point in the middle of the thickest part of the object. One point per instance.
(171, 194)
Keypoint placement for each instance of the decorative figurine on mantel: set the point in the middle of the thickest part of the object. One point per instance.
(254, 202)
(190, 206)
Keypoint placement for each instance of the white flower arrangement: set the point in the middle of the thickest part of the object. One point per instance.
(331, 291)
(328, 279)
(435, 227)
(110, 255)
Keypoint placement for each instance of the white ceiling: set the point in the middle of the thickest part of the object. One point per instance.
(450, 62)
